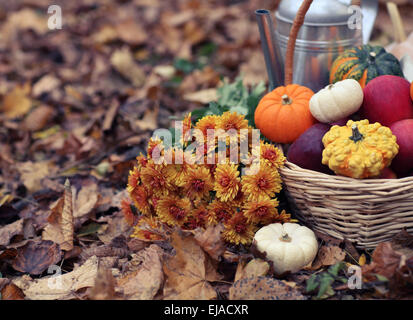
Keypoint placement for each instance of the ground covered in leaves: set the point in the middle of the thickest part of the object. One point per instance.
(80, 103)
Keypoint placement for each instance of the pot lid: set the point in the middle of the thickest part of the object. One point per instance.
(321, 12)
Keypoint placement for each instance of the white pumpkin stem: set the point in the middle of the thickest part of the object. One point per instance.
(285, 237)
(286, 99)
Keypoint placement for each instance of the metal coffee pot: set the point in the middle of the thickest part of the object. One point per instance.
(330, 27)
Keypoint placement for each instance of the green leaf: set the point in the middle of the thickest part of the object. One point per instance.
(89, 229)
(312, 283)
(325, 289)
(335, 269)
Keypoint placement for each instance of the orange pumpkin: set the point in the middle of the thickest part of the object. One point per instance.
(283, 114)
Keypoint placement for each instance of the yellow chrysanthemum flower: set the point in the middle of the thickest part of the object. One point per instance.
(283, 217)
(262, 210)
(140, 198)
(173, 210)
(238, 230)
(206, 123)
(270, 155)
(148, 228)
(220, 212)
(234, 122)
(198, 182)
(133, 179)
(266, 182)
(155, 178)
(227, 181)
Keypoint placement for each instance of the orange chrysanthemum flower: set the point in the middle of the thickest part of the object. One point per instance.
(220, 212)
(155, 147)
(201, 215)
(173, 210)
(232, 120)
(186, 125)
(142, 161)
(262, 210)
(148, 229)
(140, 198)
(271, 155)
(133, 179)
(238, 230)
(130, 217)
(282, 218)
(155, 178)
(227, 181)
(198, 182)
(206, 123)
(266, 182)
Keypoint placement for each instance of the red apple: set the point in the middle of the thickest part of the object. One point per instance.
(387, 173)
(403, 162)
(387, 100)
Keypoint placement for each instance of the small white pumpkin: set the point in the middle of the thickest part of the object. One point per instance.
(289, 246)
(336, 101)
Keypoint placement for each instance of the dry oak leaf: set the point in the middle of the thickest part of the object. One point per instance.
(9, 231)
(36, 257)
(189, 271)
(328, 255)
(254, 268)
(63, 287)
(144, 282)
(211, 241)
(263, 288)
(17, 102)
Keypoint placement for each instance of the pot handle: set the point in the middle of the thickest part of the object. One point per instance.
(289, 55)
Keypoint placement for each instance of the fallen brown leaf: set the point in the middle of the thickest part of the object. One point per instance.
(39, 118)
(17, 102)
(189, 271)
(263, 288)
(62, 287)
(145, 282)
(36, 257)
(211, 241)
(122, 60)
(9, 231)
(11, 292)
(32, 173)
(60, 227)
(254, 268)
(328, 255)
(104, 288)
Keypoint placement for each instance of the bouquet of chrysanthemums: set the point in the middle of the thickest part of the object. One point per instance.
(214, 171)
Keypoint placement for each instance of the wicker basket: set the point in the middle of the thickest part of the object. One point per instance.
(365, 212)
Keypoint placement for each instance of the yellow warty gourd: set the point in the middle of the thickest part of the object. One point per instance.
(359, 149)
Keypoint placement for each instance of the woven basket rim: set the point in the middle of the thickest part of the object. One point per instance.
(291, 167)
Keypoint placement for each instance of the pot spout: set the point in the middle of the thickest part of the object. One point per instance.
(272, 54)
